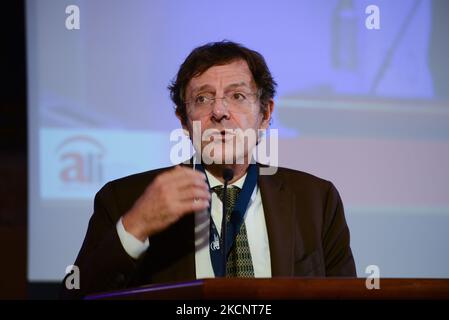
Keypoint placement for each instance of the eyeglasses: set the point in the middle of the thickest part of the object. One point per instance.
(236, 101)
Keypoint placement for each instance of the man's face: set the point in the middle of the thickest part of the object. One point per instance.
(239, 110)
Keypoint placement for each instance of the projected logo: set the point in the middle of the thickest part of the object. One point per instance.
(81, 160)
(71, 164)
(76, 163)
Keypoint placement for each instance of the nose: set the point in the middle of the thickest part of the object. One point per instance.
(219, 110)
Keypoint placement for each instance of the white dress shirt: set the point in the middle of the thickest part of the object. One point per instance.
(133, 246)
(255, 228)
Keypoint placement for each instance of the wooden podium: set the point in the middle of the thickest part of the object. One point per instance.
(286, 289)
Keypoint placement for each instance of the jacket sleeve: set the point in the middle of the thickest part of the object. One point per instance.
(103, 263)
(339, 260)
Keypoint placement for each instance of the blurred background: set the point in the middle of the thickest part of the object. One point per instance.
(363, 101)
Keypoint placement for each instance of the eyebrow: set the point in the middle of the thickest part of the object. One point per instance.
(231, 86)
(201, 88)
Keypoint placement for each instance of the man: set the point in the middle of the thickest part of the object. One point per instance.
(165, 225)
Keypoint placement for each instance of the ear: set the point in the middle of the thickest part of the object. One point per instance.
(266, 115)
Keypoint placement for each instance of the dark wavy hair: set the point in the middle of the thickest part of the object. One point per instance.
(215, 54)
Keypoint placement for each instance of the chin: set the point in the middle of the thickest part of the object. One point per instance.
(222, 158)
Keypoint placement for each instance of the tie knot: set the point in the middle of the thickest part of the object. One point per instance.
(232, 193)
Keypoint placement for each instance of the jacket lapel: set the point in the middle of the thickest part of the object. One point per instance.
(279, 207)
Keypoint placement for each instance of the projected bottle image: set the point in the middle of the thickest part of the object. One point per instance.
(344, 36)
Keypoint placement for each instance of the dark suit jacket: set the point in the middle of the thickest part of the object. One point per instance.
(307, 232)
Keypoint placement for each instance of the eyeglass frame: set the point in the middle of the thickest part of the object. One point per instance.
(224, 98)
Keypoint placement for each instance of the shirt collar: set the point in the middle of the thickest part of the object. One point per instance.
(213, 182)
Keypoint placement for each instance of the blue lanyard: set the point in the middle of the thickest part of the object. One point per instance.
(237, 217)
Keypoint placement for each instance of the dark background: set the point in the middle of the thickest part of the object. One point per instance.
(13, 161)
(13, 153)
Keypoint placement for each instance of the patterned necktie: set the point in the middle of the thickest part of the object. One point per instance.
(239, 263)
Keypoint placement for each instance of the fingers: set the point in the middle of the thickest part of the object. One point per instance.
(188, 206)
(187, 182)
(171, 195)
(186, 173)
(193, 190)
(182, 178)
(194, 193)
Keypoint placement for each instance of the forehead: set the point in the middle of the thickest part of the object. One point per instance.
(222, 76)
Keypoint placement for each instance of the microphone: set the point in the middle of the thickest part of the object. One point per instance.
(227, 175)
